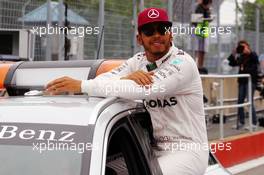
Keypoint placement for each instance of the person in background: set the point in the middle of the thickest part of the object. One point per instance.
(201, 36)
(248, 63)
(261, 61)
(261, 76)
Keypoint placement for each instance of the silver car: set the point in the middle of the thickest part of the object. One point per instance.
(78, 135)
(74, 134)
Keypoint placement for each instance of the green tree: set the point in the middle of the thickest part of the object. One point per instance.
(250, 15)
(127, 5)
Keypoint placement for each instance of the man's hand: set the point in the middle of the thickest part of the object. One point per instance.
(62, 85)
(140, 77)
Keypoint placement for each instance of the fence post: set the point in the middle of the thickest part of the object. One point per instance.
(61, 35)
(170, 9)
(242, 36)
(48, 37)
(134, 39)
(237, 29)
(257, 27)
(219, 59)
(100, 41)
(141, 5)
(221, 110)
(24, 12)
(250, 101)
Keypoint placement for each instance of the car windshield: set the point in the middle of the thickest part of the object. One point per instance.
(45, 149)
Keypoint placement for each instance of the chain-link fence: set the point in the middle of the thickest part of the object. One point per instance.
(118, 29)
(119, 24)
(27, 14)
(254, 26)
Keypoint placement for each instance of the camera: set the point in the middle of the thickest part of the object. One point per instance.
(240, 49)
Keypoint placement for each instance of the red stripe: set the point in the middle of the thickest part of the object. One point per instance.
(242, 149)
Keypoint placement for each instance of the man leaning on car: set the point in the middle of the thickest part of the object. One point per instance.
(168, 82)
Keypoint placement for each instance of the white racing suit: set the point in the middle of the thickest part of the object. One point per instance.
(175, 104)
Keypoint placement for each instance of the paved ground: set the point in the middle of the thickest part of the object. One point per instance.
(214, 132)
(255, 171)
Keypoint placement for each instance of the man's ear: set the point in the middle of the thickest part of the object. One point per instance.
(139, 39)
(171, 37)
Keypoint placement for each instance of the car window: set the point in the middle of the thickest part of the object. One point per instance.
(123, 153)
(143, 128)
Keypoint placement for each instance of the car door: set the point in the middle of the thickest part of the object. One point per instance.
(129, 149)
(126, 153)
(142, 126)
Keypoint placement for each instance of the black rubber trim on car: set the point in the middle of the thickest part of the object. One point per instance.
(9, 77)
(94, 68)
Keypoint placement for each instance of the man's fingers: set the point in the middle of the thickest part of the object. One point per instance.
(57, 89)
(141, 77)
(146, 78)
(56, 81)
(149, 75)
(136, 80)
(62, 85)
(56, 86)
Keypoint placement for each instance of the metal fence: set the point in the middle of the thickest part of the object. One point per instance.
(221, 106)
(119, 21)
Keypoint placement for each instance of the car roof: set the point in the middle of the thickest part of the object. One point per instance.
(67, 110)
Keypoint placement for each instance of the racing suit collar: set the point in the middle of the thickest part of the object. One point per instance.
(166, 56)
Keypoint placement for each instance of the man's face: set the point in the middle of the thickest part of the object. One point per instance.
(155, 38)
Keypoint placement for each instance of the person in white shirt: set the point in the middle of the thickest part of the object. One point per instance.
(168, 82)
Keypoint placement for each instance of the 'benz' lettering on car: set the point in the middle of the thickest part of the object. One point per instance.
(11, 131)
(161, 103)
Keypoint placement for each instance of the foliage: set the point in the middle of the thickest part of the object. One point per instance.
(250, 15)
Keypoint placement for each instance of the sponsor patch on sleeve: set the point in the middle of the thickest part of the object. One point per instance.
(180, 52)
(176, 61)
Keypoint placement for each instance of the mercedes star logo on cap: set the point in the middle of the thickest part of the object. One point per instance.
(153, 13)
